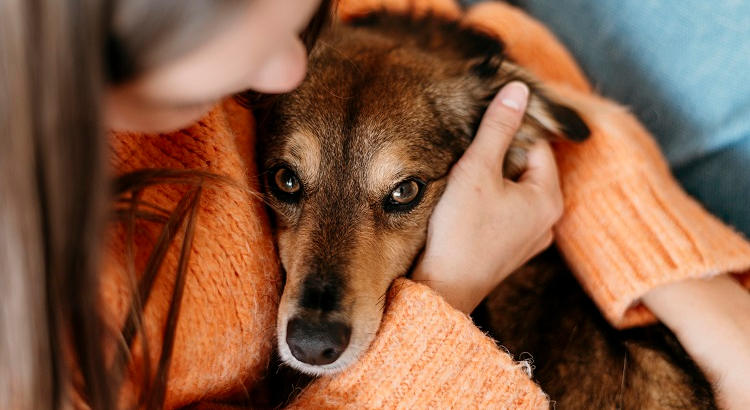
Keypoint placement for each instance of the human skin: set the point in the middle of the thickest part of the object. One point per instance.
(711, 319)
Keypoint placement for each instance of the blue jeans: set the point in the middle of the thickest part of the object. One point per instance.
(683, 67)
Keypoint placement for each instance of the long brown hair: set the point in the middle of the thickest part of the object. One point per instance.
(56, 59)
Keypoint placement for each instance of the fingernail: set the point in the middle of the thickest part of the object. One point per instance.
(514, 95)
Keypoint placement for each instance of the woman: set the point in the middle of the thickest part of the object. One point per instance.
(72, 69)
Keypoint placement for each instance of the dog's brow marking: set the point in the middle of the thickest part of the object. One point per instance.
(386, 165)
(303, 150)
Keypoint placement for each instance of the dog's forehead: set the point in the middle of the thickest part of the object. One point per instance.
(363, 125)
(371, 116)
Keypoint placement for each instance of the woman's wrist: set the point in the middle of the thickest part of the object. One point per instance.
(711, 318)
(464, 295)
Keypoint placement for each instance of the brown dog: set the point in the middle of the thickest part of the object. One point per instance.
(355, 160)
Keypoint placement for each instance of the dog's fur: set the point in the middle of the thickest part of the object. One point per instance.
(389, 105)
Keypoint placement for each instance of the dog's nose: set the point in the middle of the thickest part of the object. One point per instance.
(317, 342)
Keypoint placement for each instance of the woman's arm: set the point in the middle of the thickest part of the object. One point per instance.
(629, 230)
(628, 227)
(711, 318)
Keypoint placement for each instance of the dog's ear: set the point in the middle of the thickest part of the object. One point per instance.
(555, 118)
(545, 118)
(543, 112)
(479, 54)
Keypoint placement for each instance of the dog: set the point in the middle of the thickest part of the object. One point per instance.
(354, 161)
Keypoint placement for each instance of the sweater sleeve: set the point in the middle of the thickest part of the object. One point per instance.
(426, 355)
(628, 227)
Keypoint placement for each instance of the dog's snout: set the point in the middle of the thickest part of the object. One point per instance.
(322, 292)
(317, 342)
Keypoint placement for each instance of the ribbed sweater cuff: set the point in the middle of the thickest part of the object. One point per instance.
(628, 227)
(426, 355)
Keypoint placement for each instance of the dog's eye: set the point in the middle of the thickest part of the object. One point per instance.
(285, 184)
(405, 192)
(405, 196)
(286, 180)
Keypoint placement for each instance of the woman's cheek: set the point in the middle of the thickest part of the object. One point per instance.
(127, 115)
(177, 118)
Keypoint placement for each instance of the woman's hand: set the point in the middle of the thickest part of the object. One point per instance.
(484, 227)
(711, 319)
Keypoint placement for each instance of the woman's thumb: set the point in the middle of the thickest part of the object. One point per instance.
(497, 129)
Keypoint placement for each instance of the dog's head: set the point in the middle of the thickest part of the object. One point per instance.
(356, 158)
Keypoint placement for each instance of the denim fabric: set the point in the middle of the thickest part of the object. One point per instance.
(683, 67)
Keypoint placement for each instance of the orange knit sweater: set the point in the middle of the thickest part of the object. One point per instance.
(627, 228)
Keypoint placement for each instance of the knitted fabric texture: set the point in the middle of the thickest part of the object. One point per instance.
(627, 228)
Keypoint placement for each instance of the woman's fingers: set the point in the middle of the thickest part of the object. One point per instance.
(544, 242)
(496, 131)
(541, 169)
(541, 173)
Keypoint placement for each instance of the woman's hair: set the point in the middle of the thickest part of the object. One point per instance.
(57, 57)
